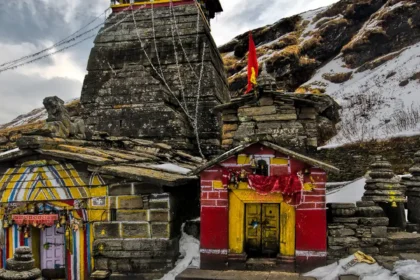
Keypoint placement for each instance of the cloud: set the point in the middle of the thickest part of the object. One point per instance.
(26, 26)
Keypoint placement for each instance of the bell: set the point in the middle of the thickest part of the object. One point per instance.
(67, 232)
(243, 175)
(58, 225)
(103, 232)
(101, 247)
(62, 220)
(394, 204)
(35, 224)
(26, 233)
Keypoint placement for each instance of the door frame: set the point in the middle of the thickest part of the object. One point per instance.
(237, 200)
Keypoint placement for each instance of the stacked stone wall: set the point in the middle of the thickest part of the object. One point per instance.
(140, 239)
(354, 160)
(296, 126)
(355, 227)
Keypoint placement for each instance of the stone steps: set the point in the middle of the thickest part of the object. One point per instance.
(198, 274)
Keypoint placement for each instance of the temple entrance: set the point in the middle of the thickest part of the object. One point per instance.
(262, 229)
(52, 248)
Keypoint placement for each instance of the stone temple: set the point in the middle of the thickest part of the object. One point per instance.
(147, 73)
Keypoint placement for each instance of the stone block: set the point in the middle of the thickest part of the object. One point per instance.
(257, 111)
(142, 265)
(275, 117)
(229, 127)
(130, 202)
(132, 215)
(119, 189)
(266, 101)
(106, 230)
(136, 244)
(160, 230)
(135, 230)
(346, 220)
(101, 264)
(230, 118)
(344, 212)
(379, 231)
(157, 215)
(343, 241)
(370, 241)
(227, 142)
(371, 211)
(245, 130)
(109, 244)
(341, 232)
(162, 203)
(342, 205)
(377, 221)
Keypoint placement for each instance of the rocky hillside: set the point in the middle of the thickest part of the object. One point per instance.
(364, 53)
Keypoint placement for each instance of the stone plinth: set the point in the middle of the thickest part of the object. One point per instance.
(21, 266)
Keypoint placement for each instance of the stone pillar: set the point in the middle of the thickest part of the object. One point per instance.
(21, 266)
(413, 191)
(385, 190)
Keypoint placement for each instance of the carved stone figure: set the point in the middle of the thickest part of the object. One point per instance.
(59, 123)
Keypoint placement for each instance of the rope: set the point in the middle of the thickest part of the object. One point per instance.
(65, 48)
(59, 43)
(197, 102)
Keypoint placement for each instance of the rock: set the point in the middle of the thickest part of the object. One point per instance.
(342, 205)
(365, 203)
(352, 220)
(343, 241)
(3, 140)
(377, 221)
(344, 212)
(341, 232)
(372, 211)
(20, 268)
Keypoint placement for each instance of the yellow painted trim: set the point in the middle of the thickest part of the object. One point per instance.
(217, 185)
(36, 245)
(250, 196)
(287, 229)
(279, 161)
(237, 200)
(243, 159)
(236, 224)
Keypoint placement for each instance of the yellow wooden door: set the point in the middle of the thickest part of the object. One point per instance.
(270, 229)
(253, 229)
(262, 229)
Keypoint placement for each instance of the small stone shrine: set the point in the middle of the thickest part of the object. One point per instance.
(385, 189)
(21, 266)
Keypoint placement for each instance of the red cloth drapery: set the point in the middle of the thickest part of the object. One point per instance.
(290, 186)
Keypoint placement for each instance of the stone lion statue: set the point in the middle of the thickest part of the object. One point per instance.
(59, 123)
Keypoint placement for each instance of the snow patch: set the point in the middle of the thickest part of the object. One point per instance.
(409, 269)
(189, 248)
(172, 168)
(348, 194)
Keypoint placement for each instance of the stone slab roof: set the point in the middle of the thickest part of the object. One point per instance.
(117, 156)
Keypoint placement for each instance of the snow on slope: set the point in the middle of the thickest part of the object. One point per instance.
(376, 103)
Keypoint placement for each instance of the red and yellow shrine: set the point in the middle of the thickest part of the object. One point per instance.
(261, 200)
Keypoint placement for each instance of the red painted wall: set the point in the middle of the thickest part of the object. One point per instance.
(311, 224)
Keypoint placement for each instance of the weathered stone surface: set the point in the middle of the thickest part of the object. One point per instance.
(372, 211)
(257, 111)
(135, 230)
(341, 232)
(365, 203)
(130, 202)
(106, 230)
(379, 231)
(342, 205)
(132, 215)
(343, 241)
(160, 230)
(346, 220)
(344, 212)
(134, 244)
(275, 117)
(17, 265)
(159, 215)
(377, 221)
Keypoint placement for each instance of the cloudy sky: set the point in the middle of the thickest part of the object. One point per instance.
(27, 26)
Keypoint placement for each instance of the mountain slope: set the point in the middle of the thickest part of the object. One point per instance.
(362, 53)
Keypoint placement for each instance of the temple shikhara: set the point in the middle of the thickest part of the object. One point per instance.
(159, 142)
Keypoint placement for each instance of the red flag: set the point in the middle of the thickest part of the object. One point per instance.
(252, 65)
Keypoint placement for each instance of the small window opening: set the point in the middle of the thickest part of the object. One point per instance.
(262, 168)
